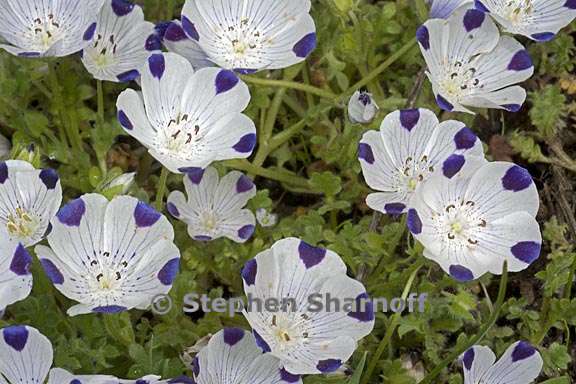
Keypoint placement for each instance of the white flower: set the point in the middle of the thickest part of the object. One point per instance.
(232, 357)
(472, 217)
(186, 118)
(5, 147)
(29, 199)
(35, 28)
(215, 207)
(15, 274)
(520, 364)
(539, 20)
(175, 40)
(469, 64)
(110, 256)
(361, 108)
(441, 9)
(26, 357)
(411, 144)
(306, 337)
(266, 218)
(121, 42)
(251, 35)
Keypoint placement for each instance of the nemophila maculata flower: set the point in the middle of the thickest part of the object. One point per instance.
(29, 199)
(307, 338)
(540, 20)
(409, 147)
(175, 40)
(441, 9)
(471, 65)
(214, 207)
(34, 28)
(361, 108)
(61, 376)
(472, 217)
(248, 36)
(266, 218)
(520, 364)
(121, 43)
(232, 357)
(110, 256)
(188, 119)
(15, 274)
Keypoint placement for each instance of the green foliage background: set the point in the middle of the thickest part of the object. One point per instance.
(306, 170)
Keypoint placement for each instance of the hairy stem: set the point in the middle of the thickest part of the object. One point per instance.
(161, 189)
(292, 85)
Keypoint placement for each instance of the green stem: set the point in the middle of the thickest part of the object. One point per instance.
(292, 85)
(391, 327)
(491, 321)
(272, 174)
(161, 189)
(268, 128)
(57, 99)
(100, 113)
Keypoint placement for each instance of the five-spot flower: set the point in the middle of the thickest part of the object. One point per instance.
(29, 200)
(121, 42)
(471, 65)
(252, 35)
(539, 20)
(188, 119)
(215, 207)
(521, 363)
(175, 40)
(232, 357)
(110, 256)
(410, 146)
(472, 217)
(361, 108)
(33, 28)
(307, 336)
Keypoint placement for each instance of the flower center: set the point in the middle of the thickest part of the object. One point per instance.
(459, 80)
(413, 173)
(44, 32)
(103, 51)
(209, 221)
(21, 224)
(516, 11)
(106, 276)
(289, 332)
(460, 224)
(181, 138)
(241, 44)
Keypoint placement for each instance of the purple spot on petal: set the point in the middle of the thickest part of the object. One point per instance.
(109, 309)
(288, 377)
(157, 65)
(29, 54)
(196, 366)
(145, 215)
(527, 251)
(172, 210)
(52, 271)
(394, 208)
(413, 222)
(21, 261)
(245, 71)
(124, 121)
(169, 271)
(161, 27)
(310, 255)
(49, 177)
(3, 172)
(249, 271)
(225, 81)
(520, 61)
(202, 238)
(443, 103)
(122, 7)
(233, 335)
(423, 37)
(89, 34)
(543, 36)
(246, 143)
(516, 179)
(189, 28)
(174, 32)
(244, 184)
(465, 138)
(328, 365)
(195, 174)
(523, 350)
(461, 273)
(570, 4)
(153, 43)
(473, 19)
(263, 345)
(305, 45)
(246, 232)
(365, 153)
(364, 98)
(128, 76)
(16, 336)
(481, 7)
(511, 107)
(409, 118)
(468, 358)
(452, 165)
(71, 214)
(364, 309)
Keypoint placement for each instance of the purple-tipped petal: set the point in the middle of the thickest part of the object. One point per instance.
(157, 65)
(233, 335)
(394, 208)
(21, 261)
(244, 184)
(409, 118)
(225, 81)
(423, 37)
(305, 45)
(125, 121)
(443, 103)
(189, 28)
(169, 271)
(461, 273)
(172, 209)
(49, 177)
(246, 232)
(246, 143)
(543, 36)
(527, 251)
(128, 76)
(364, 309)
(145, 215)
(263, 345)
(71, 214)
(520, 61)
(310, 255)
(365, 153)
(413, 222)
(3, 172)
(329, 365)
(52, 272)
(89, 34)
(465, 138)
(175, 33)
(523, 350)
(249, 271)
(516, 179)
(109, 309)
(452, 165)
(473, 19)
(122, 7)
(16, 336)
